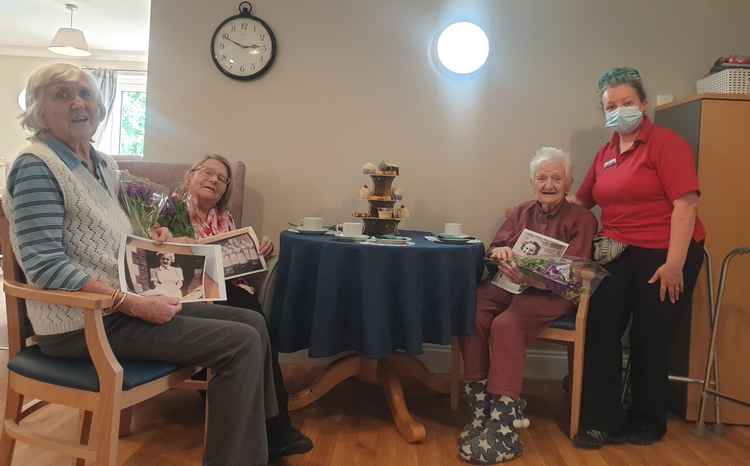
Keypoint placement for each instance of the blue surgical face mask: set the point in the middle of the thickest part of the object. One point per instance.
(624, 120)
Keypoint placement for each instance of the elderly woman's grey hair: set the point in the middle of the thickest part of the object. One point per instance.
(550, 154)
(222, 203)
(41, 80)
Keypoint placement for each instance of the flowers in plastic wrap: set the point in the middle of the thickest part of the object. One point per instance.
(176, 216)
(563, 276)
(143, 201)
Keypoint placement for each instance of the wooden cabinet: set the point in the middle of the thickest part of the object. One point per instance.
(718, 128)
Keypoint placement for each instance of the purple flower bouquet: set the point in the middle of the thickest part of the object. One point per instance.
(176, 216)
(562, 275)
(143, 201)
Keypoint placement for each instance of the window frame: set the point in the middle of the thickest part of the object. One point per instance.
(109, 139)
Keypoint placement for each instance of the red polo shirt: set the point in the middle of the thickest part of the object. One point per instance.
(635, 189)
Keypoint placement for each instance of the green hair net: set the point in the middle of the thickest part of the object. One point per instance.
(616, 76)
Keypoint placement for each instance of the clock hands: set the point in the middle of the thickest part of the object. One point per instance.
(254, 48)
(226, 36)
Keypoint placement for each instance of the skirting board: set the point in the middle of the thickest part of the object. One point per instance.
(540, 364)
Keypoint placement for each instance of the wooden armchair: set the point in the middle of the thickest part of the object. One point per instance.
(570, 331)
(100, 387)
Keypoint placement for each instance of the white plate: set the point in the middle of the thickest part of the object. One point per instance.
(389, 241)
(388, 245)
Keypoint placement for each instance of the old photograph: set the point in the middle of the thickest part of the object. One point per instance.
(188, 272)
(239, 250)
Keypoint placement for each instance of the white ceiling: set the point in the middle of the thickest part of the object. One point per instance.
(110, 26)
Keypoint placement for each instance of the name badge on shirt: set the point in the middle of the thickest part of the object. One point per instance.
(610, 163)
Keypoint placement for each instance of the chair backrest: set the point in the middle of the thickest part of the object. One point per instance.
(171, 175)
(19, 327)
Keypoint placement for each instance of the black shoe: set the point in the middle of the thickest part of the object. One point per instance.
(291, 442)
(593, 439)
(644, 437)
(617, 438)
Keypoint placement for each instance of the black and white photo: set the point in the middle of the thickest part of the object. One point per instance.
(188, 272)
(240, 252)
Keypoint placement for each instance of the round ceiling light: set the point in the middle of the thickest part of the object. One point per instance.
(22, 99)
(463, 47)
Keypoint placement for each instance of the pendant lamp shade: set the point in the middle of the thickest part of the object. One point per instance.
(68, 40)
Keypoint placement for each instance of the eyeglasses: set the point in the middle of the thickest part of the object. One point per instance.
(209, 172)
(66, 93)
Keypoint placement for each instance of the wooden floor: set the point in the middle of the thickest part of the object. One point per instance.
(350, 427)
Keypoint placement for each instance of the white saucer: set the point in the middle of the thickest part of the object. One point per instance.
(454, 240)
(306, 231)
(341, 237)
(451, 237)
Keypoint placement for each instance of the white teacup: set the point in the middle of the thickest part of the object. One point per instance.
(454, 229)
(350, 229)
(312, 223)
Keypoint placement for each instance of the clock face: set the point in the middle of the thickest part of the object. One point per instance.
(243, 47)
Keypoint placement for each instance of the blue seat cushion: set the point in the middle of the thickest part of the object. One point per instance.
(80, 373)
(566, 322)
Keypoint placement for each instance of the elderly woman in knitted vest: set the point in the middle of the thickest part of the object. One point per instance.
(66, 226)
(512, 320)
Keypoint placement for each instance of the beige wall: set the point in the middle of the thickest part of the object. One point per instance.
(354, 82)
(14, 72)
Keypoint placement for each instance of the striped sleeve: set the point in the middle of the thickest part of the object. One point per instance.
(37, 201)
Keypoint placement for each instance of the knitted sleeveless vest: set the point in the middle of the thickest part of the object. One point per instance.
(93, 229)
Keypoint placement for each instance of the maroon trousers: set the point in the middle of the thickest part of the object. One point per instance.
(506, 324)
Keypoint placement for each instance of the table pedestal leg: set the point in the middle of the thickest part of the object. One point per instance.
(336, 373)
(411, 430)
(386, 372)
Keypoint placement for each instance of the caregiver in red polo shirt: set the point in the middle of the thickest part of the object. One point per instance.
(645, 182)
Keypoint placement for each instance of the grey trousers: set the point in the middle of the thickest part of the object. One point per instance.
(232, 342)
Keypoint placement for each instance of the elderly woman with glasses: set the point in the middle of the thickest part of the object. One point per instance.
(644, 180)
(66, 226)
(507, 322)
(208, 185)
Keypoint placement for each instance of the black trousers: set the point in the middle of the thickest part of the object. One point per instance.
(627, 292)
(238, 297)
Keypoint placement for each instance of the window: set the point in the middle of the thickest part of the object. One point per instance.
(125, 129)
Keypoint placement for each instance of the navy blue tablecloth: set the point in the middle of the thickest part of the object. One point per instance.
(331, 296)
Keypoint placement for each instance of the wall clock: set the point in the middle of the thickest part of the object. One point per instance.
(243, 46)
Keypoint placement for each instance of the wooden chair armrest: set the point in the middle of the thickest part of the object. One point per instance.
(583, 302)
(77, 299)
(108, 369)
(265, 287)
